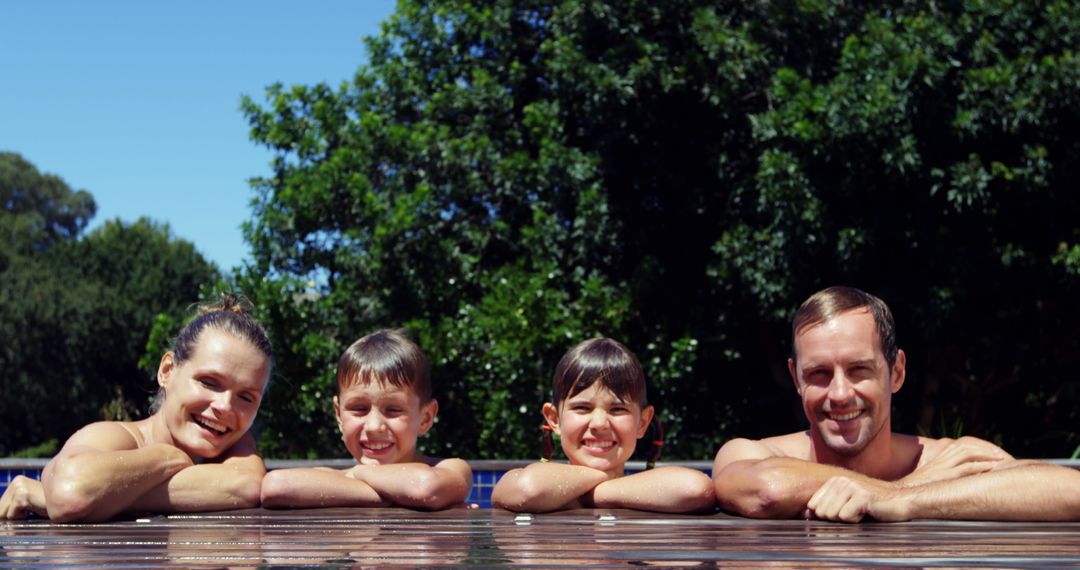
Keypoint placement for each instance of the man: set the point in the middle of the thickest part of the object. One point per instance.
(850, 465)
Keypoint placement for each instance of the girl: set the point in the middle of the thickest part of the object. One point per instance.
(599, 412)
(193, 454)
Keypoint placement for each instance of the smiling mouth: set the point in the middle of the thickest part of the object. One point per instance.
(845, 417)
(598, 444)
(213, 426)
(376, 446)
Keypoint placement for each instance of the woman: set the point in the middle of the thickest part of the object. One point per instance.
(195, 453)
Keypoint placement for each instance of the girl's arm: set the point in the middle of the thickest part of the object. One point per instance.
(233, 481)
(100, 473)
(304, 488)
(418, 485)
(543, 487)
(664, 489)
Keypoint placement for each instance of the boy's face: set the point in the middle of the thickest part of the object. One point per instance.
(380, 422)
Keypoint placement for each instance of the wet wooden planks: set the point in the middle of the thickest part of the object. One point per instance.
(403, 538)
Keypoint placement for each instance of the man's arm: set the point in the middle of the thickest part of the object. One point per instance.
(544, 487)
(418, 485)
(1013, 491)
(753, 481)
(305, 488)
(99, 473)
(664, 490)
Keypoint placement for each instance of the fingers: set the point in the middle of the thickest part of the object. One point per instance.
(967, 450)
(840, 499)
(15, 503)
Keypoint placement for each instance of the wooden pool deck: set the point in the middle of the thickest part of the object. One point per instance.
(598, 538)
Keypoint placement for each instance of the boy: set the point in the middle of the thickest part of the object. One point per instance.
(383, 404)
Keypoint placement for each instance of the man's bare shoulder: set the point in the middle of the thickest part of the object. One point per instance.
(929, 448)
(794, 445)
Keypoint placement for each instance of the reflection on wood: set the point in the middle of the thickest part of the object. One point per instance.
(397, 537)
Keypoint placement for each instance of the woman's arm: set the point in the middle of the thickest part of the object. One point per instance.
(231, 482)
(418, 485)
(22, 497)
(303, 488)
(100, 473)
(664, 489)
(543, 487)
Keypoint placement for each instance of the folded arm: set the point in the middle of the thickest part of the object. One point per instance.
(752, 481)
(543, 487)
(307, 488)
(418, 485)
(232, 483)
(1013, 491)
(99, 473)
(665, 490)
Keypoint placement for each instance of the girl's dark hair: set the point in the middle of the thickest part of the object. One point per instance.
(230, 314)
(385, 356)
(611, 364)
(599, 360)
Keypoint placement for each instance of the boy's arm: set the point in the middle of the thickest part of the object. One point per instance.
(753, 481)
(99, 473)
(418, 485)
(305, 488)
(1013, 491)
(543, 487)
(232, 482)
(664, 489)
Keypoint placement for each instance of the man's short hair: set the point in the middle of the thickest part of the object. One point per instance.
(830, 303)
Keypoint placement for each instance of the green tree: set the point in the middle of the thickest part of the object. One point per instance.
(508, 178)
(76, 310)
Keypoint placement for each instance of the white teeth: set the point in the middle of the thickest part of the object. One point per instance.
(845, 417)
(600, 444)
(211, 424)
(377, 446)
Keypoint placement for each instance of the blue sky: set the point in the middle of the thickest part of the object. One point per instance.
(138, 102)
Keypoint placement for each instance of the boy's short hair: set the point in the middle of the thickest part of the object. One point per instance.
(385, 355)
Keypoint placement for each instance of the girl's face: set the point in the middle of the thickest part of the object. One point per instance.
(212, 398)
(597, 429)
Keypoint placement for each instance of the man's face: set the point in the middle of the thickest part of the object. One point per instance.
(844, 381)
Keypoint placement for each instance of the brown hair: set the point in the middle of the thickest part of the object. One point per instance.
(599, 360)
(230, 314)
(385, 356)
(830, 303)
(616, 368)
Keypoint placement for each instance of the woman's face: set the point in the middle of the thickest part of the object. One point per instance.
(597, 429)
(212, 398)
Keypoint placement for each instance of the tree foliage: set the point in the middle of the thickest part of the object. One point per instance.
(508, 178)
(76, 310)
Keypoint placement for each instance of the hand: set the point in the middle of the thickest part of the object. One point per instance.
(22, 497)
(847, 500)
(357, 472)
(960, 458)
